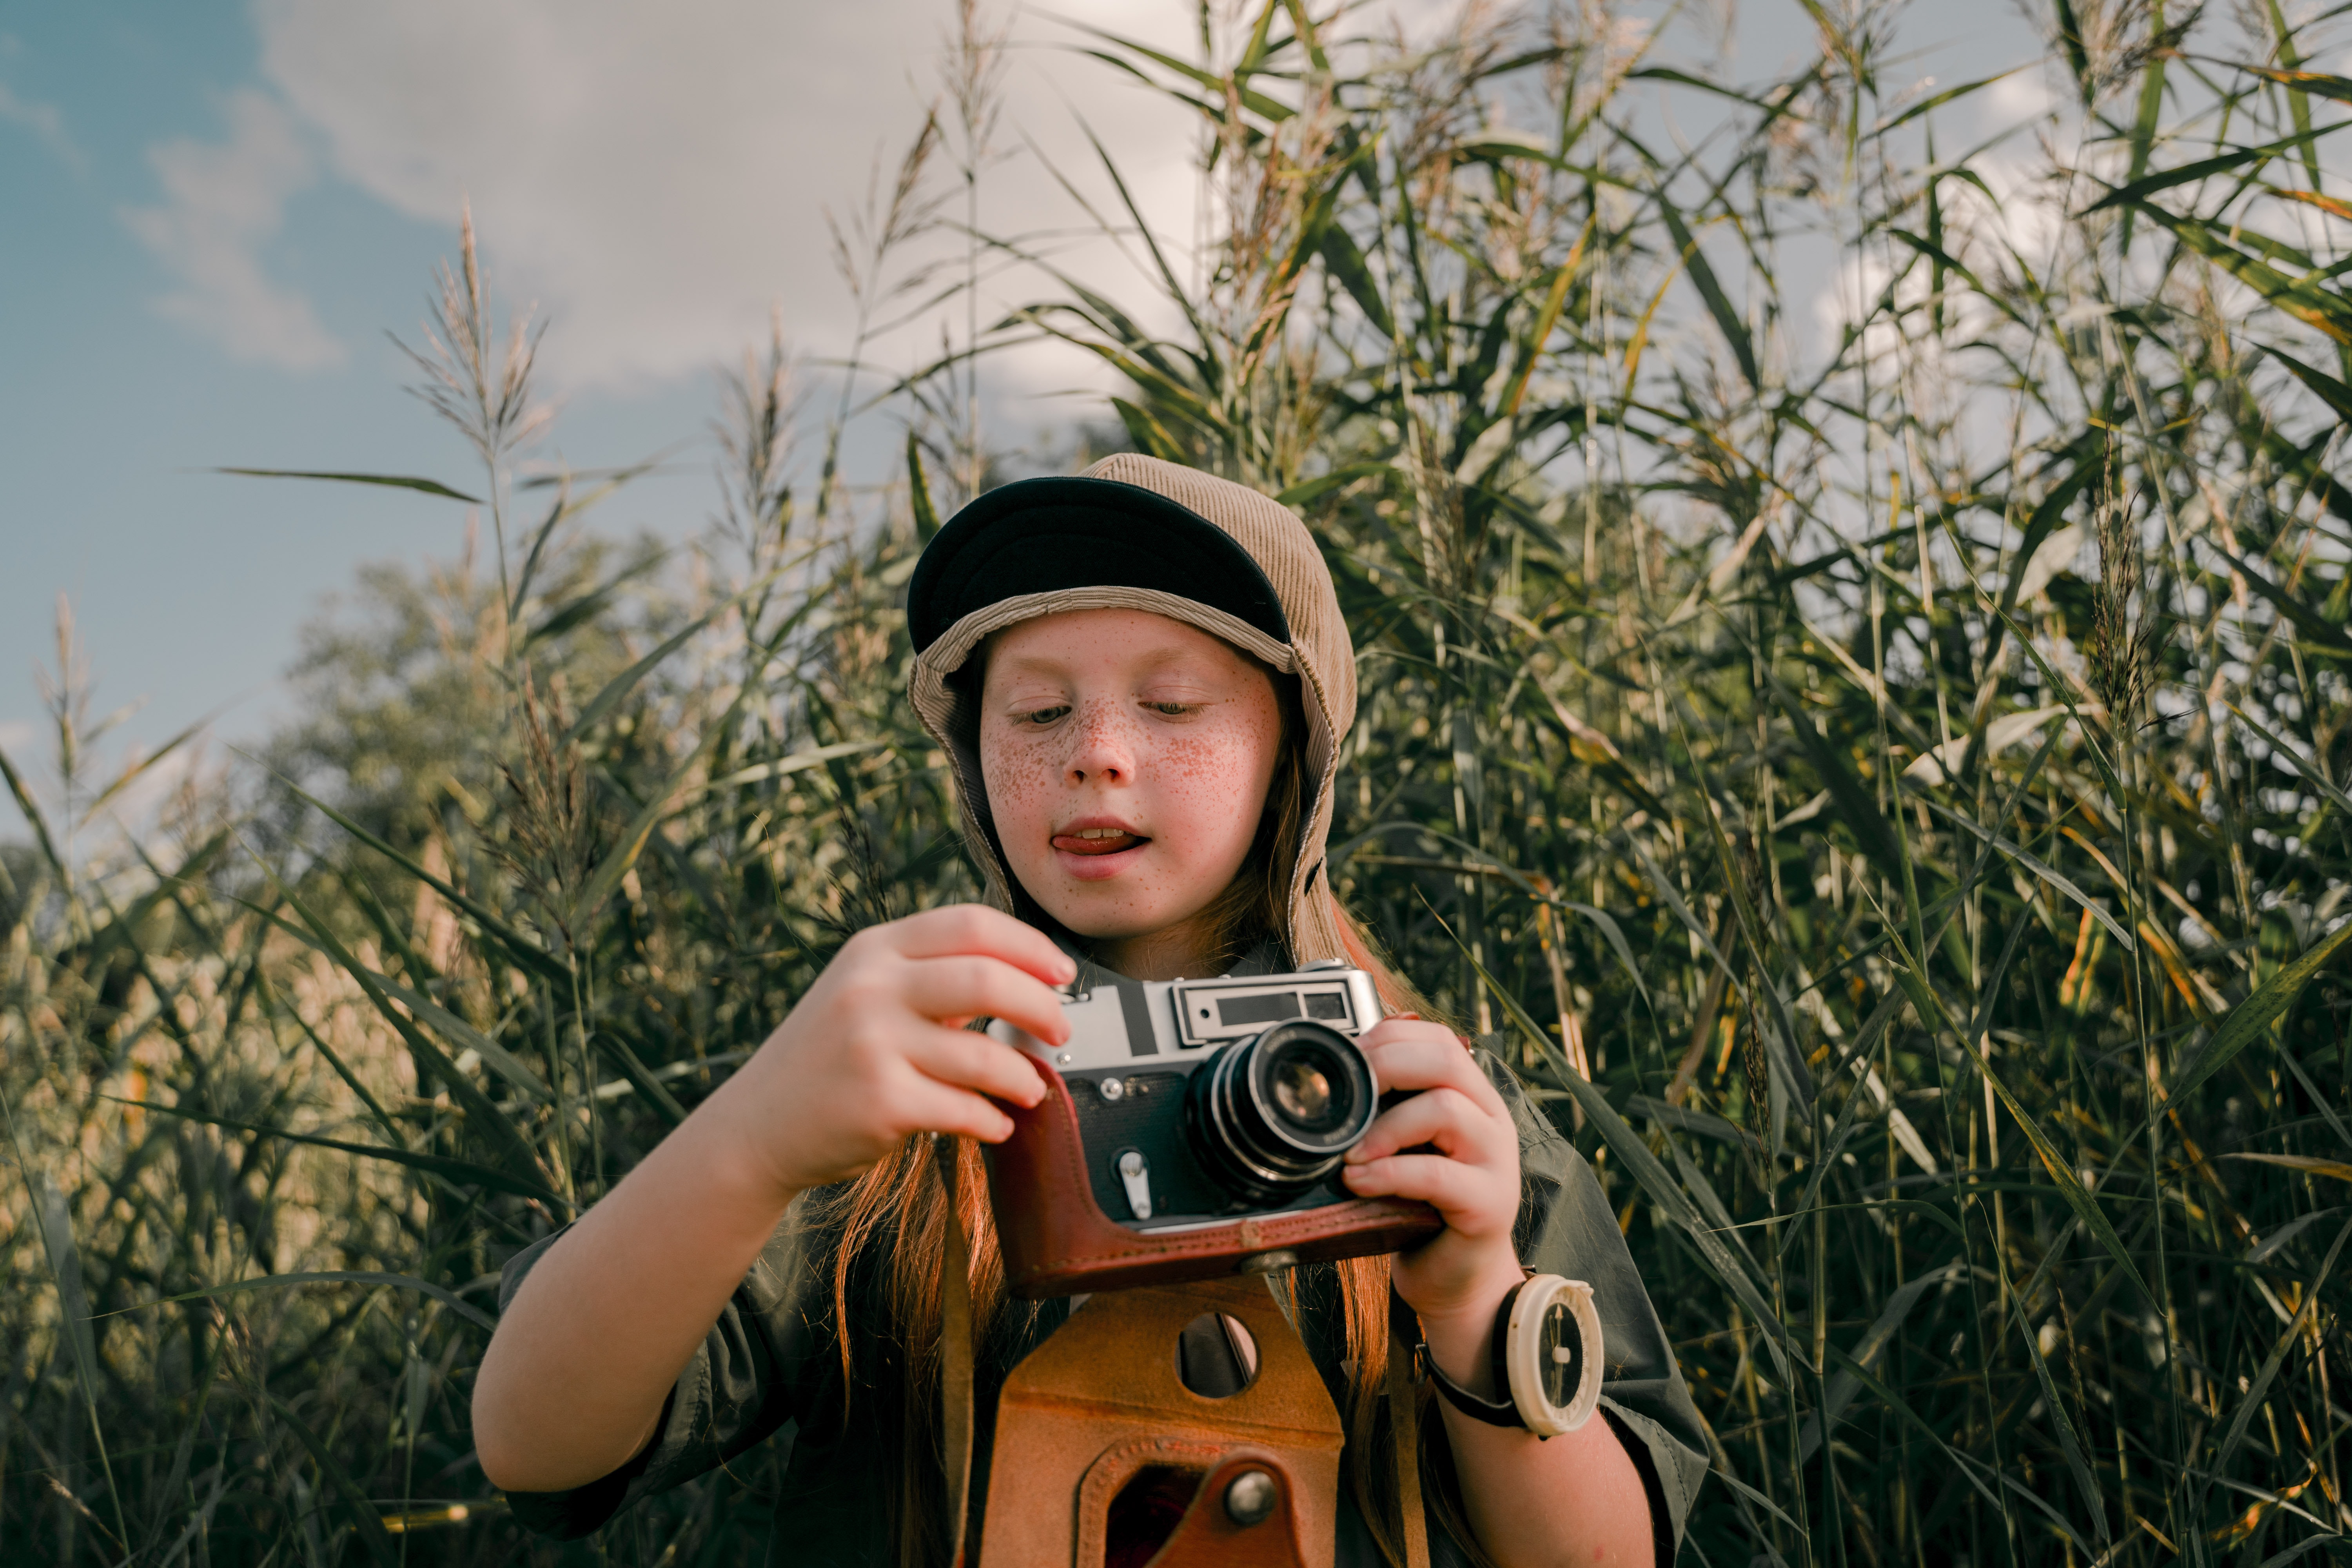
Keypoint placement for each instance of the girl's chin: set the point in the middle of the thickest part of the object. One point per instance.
(1100, 868)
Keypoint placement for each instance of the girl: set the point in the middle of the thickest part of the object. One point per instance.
(1142, 679)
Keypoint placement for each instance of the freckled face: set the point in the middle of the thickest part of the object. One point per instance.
(1127, 759)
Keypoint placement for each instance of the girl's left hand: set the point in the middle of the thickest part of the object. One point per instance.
(1471, 1179)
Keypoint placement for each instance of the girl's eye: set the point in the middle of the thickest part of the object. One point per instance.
(1172, 709)
(1041, 717)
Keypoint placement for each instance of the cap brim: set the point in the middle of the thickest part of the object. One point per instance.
(1047, 535)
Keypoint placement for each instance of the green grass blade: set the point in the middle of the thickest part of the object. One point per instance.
(2294, 758)
(442, 1294)
(526, 953)
(1652, 1177)
(2069, 1441)
(1710, 288)
(2137, 192)
(2024, 857)
(35, 820)
(2253, 1016)
(601, 882)
(1857, 807)
(1843, 1384)
(918, 491)
(592, 603)
(2062, 1174)
(616, 690)
(466, 1037)
(342, 1071)
(516, 1155)
(2332, 392)
(1617, 945)
(656, 1094)
(365, 1522)
(2259, 1390)
(464, 1173)
(398, 481)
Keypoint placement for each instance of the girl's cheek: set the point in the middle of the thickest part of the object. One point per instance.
(1009, 773)
(1208, 776)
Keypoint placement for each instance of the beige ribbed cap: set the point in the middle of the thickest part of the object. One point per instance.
(1109, 540)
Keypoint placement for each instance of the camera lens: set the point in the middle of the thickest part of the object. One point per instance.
(1270, 1117)
(1304, 1096)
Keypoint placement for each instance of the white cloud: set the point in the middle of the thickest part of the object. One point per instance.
(44, 122)
(656, 177)
(2016, 97)
(223, 202)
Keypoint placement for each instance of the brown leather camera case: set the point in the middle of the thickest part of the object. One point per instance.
(1102, 1398)
(1057, 1241)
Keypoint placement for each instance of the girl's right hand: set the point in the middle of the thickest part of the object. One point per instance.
(876, 1049)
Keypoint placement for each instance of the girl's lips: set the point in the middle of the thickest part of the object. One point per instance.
(1097, 860)
(1113, 843)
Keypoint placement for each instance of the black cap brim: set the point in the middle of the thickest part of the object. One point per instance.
(1044, 535)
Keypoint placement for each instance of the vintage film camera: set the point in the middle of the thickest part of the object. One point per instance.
(1194, 1127)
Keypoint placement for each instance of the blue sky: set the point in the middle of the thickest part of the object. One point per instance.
(215, 211)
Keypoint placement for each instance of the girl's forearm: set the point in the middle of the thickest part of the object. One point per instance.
(576, 1376)
(1573, 1498)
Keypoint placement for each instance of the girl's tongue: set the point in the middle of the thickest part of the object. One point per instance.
(1098, 841)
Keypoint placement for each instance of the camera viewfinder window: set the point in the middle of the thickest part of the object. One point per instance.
(1267, 1007)
(1327, 1006)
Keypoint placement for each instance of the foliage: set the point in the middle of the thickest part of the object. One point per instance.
(1880, 784)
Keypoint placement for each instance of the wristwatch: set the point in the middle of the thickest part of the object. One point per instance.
(1547, 1360)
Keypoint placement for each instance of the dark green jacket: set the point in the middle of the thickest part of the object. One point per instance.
(771, 1368)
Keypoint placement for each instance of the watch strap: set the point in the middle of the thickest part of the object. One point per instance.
(1498, 1411)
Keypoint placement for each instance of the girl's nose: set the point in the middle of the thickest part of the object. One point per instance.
(1105, 750)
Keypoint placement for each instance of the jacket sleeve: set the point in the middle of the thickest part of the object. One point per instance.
(1565, 1227)
(747, 1380)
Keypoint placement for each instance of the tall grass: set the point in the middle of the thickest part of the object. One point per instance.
(1875, 774)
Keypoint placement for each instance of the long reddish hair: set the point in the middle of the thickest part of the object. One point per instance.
(889, 1224)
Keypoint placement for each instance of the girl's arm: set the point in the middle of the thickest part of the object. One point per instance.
(1572, 1499)
(576, 1376)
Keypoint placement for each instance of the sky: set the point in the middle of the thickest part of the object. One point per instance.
(215, 213)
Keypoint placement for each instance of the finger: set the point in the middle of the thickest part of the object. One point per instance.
(1407, 1027)
(977, 929)
(1421, 1063)
(1447, 1186)
(1397, 1031)
(959, 986)
(1444, 1117)
(962, 1059)
(932, 1107)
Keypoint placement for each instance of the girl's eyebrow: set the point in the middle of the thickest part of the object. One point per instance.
(1181, 662)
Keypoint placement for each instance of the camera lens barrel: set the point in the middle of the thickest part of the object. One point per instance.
(1271, 1116)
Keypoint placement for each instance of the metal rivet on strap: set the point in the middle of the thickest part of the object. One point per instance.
(1250, 1497)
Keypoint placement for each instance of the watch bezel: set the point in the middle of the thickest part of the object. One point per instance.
(1526, 1348)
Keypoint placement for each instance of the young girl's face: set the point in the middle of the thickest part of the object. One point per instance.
(1127, 759)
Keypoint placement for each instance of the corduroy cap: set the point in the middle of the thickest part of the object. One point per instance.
(1133, 532)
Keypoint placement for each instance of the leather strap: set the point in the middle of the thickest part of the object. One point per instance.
(1404, 1428)
(955, 1353)
(1498, 1411)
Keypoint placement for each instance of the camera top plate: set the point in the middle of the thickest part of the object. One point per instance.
(1114, 1021)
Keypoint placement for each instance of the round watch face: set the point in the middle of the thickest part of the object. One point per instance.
(1552, 1354)
(1559, 1354)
